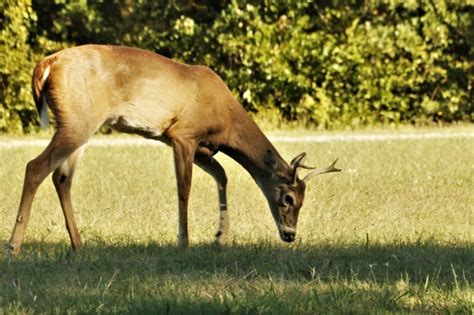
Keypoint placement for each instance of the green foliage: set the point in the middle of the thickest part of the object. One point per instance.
(327, 64)
(346, 64)
(16, 104)
(20, 49)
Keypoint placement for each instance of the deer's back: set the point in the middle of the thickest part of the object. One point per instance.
(137, 91)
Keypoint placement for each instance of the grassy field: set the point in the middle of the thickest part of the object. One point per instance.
(393, 232)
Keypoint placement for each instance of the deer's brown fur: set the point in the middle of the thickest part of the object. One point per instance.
(135, 91)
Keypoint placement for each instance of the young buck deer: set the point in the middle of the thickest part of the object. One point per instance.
(187, 107)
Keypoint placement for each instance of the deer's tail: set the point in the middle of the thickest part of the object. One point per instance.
(39, 80)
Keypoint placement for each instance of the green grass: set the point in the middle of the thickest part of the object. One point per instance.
(392, 233)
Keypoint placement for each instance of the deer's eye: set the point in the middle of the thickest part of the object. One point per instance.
(288, 200)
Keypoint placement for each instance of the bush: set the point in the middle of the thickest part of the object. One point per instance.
(349, 64)
(325, 64)
(16, 104)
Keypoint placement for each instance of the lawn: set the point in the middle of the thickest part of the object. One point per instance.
(393, 232)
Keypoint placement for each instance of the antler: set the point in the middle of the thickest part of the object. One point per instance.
(331, 168)
(296, 163)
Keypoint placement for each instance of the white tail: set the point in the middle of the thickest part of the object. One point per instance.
(43, 113)
(135, 91)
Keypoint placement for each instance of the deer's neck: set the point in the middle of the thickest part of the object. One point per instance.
(248, 145)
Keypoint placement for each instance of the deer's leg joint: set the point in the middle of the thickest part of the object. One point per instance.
(62, 178)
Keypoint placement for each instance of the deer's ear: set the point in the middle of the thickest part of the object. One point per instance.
(270, 161)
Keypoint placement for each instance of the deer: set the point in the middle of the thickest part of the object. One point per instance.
(188, 107)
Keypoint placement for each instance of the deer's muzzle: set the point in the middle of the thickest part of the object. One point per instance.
(287, 234)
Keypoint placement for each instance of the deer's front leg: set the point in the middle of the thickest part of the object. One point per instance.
(183, 162)
(212, 167)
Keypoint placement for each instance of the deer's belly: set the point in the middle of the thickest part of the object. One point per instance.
(146, 120)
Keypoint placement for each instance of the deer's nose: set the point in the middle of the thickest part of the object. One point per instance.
(288, 236)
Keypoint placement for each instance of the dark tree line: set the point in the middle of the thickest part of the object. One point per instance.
(322, 63)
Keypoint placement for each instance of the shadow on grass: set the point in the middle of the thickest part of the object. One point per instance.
(159, 274)
(449, 264)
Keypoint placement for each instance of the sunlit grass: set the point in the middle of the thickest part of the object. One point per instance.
(392, 232)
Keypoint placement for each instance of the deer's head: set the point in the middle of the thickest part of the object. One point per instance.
(284, 191)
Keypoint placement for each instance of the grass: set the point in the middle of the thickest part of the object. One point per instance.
(391, 233)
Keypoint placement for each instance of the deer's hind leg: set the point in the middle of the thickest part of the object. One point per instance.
(63, 144)
(62, 179)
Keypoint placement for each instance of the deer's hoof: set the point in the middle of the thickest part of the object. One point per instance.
(221, 239)
(11, 250)
(183, 243)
